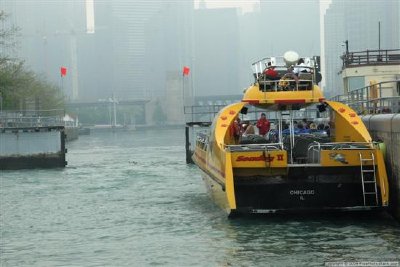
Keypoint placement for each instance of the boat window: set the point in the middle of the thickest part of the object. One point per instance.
(202, 141)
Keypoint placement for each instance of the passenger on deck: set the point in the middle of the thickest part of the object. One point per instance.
(285, 126)
(235, 130)
(248, 128)
(263, 125)
(300, 67)
(270, 72)
(319, 130)
(327, 129)
(288, 79)
(298, 128)
(307, 124)
(273, 136)
(301, 129)
(286, 129)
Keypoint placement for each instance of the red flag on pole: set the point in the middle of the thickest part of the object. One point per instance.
(63, 71)
(186, 70)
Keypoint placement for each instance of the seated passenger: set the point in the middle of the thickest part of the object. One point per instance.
(300, 67)
(305, 123)
(270, 72)
(286, 129)
(288, 79)
(327, 129)
(248, 128)
(273, 136)
(301, 129)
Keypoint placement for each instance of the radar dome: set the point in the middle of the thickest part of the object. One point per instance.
(290, 58)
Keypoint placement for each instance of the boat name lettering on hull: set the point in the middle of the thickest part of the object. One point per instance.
(260, 158)
(301, 192)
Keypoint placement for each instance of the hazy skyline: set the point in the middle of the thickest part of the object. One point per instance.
(244, 5)
(132, 42)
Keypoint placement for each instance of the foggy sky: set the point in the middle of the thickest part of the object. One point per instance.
(139, 47)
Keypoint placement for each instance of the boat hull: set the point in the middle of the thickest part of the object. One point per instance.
(297, 192)
(300, 196)
(216, 191)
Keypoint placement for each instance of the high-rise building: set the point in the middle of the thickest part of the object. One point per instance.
(49, 33)
(106, 62)
(358, 23)
(126, 21)
(169, 46)
(216, 52)
(251, 45)
(289, 25)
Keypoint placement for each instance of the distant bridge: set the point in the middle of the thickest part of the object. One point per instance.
(206, 105)
(113, 105)
(216, 100)
(198, 101)
(100, 103)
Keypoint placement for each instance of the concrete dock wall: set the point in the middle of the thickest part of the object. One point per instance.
(71, 133)
(22, 148)
(386, 128)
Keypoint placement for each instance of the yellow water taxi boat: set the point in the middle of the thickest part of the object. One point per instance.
(339, 169)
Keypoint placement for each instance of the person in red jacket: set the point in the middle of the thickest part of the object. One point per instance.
(270, 72)
(263, 125)
(235, 130)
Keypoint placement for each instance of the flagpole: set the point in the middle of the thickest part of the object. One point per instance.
(63, 72)
(183, 91)
(185, 72)
(62, 84)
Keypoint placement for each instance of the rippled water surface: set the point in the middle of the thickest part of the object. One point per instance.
(129, 199)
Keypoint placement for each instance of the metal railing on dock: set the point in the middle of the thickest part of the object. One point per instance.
(32, 118)
(370, 99)
(371, 57)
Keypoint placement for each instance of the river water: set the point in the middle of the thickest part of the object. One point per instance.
(129, 199)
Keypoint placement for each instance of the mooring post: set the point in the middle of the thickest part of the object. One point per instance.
(187, 146)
